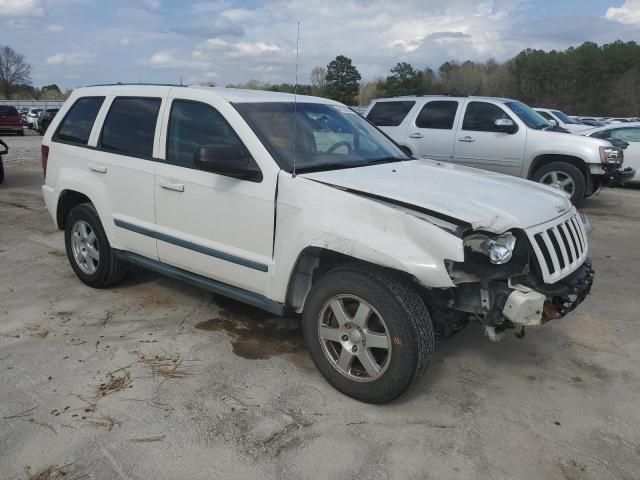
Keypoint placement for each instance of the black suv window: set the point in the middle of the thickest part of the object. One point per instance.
(389, 114)
(77, 124)
(437, 115)
(193, 124)
(481, 116)
(130, 126)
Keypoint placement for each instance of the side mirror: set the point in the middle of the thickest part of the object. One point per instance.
(505, 125)
(227, 160)
(553, 122)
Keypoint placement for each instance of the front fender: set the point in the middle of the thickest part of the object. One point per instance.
(311, 214)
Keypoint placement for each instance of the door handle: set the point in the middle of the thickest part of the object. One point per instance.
(467, 139)
(174, 186)
(416, 135)
(94, 167)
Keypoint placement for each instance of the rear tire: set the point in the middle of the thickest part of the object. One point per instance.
(21, 133)
(563, 175)
(395, 311)
(88, 249)
(1, 170)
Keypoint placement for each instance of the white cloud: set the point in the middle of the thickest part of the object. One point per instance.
(628, 13)
(169, 59)
(124, 41)
(21, 8)
(228, 49)
(154, 4)
(71, 58)
(208, 7)
(53, 28)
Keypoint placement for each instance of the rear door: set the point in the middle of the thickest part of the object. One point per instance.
(431, 132)
(124, 161)
(210, 224)
(392, 117)
(478, 144)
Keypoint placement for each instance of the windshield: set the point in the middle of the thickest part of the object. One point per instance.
(565, 118)
(324, 137)
(529, 116)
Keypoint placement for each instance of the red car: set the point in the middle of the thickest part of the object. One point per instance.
(10, 120)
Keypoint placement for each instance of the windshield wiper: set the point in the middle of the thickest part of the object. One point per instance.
(327, 166)
(386, 160)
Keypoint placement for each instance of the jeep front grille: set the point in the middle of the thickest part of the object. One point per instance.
(560, 246)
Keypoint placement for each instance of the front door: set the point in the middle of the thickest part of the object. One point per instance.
(479, 144)
(210, 224)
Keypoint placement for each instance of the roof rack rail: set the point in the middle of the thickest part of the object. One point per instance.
(425, 94)
(137, 83)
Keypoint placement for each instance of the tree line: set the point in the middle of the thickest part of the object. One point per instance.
(585, 80)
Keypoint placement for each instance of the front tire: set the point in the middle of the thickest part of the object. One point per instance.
(564, 176)
(88, 249)
(368, 332)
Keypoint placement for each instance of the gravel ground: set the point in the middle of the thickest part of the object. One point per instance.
(156, 379)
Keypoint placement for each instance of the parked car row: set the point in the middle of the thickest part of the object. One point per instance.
(298, 204)
(38, 119)
(501, 135)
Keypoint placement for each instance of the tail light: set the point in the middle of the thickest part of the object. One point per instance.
(44, 150)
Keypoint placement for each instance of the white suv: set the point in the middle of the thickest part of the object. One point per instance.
(324, 216)
(501, 135)
(562, 120)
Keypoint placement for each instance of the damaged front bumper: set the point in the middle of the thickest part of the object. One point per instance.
(533, 303)
(519, 300)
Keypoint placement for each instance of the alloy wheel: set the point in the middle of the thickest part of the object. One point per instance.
(354, 338)
(85, 247)
(559, 180)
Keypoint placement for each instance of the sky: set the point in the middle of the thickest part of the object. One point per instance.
(82, 42)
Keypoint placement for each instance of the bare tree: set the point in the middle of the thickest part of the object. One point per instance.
(318, 79)
(14, 70)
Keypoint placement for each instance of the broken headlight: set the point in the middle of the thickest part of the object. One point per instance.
(499, 249)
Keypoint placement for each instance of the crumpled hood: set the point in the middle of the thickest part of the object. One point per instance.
(486, 200)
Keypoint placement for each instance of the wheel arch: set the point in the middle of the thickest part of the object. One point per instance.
(67, 200)
(313, 262)
(547, 158)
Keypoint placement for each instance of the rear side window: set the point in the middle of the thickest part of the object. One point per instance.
(192, 125)
(77, 124)
(389, 114)
(481, 117)
(130, 126)
(438, 115)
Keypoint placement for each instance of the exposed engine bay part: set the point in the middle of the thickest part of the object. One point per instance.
(514, 302)
(524, 306)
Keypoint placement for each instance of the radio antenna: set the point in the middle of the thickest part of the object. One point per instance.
(295, 101)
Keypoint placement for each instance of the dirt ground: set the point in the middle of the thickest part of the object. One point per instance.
(156, 379)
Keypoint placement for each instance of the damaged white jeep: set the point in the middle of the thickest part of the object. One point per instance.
(303, 206)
